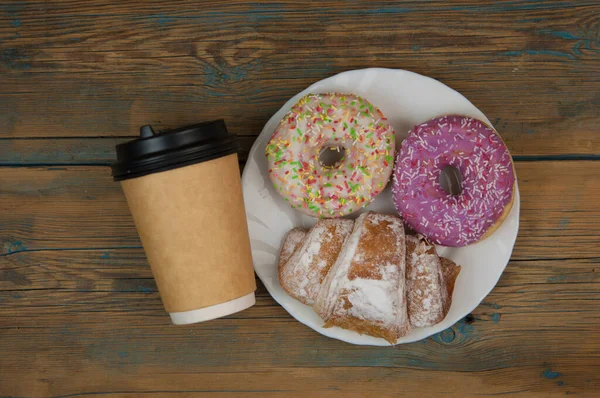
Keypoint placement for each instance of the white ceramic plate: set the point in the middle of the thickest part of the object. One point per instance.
(407, 99)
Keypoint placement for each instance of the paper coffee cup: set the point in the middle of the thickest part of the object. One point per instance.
(184, 191)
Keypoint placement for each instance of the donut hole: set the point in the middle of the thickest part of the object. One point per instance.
(332, 156)
(451, 180)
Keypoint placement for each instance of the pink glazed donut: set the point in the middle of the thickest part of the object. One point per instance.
(469, 148)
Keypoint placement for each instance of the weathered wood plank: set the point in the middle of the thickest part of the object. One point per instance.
(75, 69)
(126, 270)
(79, 312)
(527, 291)
(96, 314)
(58, 151)
(510, 329)
(302, 382)
(80, 207)
(73, 151)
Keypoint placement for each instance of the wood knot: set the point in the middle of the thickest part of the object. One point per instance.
(232, 58)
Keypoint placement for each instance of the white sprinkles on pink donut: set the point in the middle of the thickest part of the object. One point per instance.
(488, 178)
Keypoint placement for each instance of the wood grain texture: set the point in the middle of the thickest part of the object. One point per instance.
(103, 69)
(80, 314)
(352, 381)
(81, 207)
(74, 151)
(84, 294)
(93, 312)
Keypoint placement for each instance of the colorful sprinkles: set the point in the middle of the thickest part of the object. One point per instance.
(488, 179)
(329, 122)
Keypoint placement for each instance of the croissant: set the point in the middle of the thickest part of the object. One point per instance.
(365, 289)
(367, 275)
(306, 257)
(430, 282)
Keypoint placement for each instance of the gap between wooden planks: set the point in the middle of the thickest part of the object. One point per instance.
(72, 71)
(81, 151)
(80, 207)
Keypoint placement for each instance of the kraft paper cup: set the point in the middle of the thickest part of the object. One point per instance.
(185, 196)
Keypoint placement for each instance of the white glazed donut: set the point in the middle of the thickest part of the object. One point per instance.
(331, 154)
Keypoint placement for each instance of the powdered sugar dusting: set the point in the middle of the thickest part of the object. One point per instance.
(301, 275)
(290, 243)
(371, 299)
(367, 280)
(426, 290)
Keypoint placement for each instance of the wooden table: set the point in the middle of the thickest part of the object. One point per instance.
(79, 311)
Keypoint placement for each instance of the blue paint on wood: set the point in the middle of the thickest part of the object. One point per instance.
(557, 278)
(464, 328)
(265, 17)
(551, 53)
(445, 336)
(12, 58)
(495, 317)
(13, 7)
(144, 289)
(564, 35)
(549, 374)
(559, 33)
(15, 247)
(105, 255)
(531, 20)
(560, 383)
(509, 6)
(563, 223)
(418, 363)
(539, 52)
(16, 23)
(24, 249)
(416, 47)
(387, 10)
(161, 19)
(123, 354)
(530, 132)
(16, 296)
(216, 76)
(512, 53)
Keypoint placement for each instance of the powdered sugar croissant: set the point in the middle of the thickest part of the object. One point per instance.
(313, 253)
(365, 289)
(430, 282)
(367, 276)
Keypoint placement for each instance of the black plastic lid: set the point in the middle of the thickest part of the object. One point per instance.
(156, 152)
